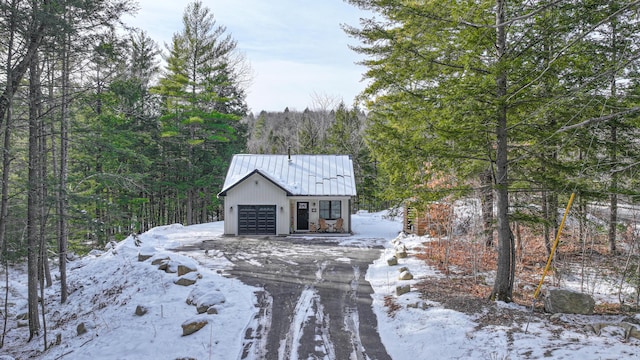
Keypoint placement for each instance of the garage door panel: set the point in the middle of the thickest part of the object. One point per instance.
(257, 219)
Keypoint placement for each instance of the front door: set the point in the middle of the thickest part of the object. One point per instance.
(303, 216)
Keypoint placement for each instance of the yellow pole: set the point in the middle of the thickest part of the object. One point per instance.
(555, 245)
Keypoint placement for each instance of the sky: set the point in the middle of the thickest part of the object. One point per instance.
(106, 287)
(297, 50)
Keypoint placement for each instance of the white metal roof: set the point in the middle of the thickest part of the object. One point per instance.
(303, 175)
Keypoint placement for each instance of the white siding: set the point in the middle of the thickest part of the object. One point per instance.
(256, 190)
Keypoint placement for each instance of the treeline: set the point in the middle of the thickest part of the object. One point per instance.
(328, 129)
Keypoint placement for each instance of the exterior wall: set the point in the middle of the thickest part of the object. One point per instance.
(256, 190)
(314, 211)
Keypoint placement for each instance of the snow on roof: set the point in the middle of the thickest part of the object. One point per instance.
(301, 175)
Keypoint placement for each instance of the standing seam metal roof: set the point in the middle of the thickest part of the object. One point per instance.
(303, 175)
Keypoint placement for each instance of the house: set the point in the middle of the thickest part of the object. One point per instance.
(285, 194)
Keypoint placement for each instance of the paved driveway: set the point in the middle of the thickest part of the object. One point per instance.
(315, 302)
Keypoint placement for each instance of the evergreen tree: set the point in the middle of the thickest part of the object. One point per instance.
(202, 104)
(466, 87)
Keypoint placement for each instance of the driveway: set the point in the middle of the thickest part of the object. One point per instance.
(314, 302)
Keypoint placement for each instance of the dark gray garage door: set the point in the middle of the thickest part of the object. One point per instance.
(256, 219)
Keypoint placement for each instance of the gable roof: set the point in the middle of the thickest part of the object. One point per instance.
(298, 175)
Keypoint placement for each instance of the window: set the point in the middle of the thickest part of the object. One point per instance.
(330, 209)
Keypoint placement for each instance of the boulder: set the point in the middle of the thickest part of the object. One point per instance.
(405, 275)
(568, 302)
(209, 300)
(146, 253)
(141, 310)
(187, 280)
(192, 325)
(185, 269)
(164, 265)
(171, 268)
(392, 261)
(201, 290)
(81, 329)
(402, 289)
(401, 251)
(160, 260)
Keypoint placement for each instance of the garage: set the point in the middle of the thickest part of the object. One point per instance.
(256, 219)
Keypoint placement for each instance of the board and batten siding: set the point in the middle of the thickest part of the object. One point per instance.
(256, 190)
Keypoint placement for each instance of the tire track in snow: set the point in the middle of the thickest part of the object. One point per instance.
(254, 344)
(308, 312)
(352, 318)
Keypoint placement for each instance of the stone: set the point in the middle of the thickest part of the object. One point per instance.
(392, 261)
(208, 300)
(568, 302)
(81, 329)
(212, 310)
(172, 267)
(403, 268)
(160, 260)
(141, 310)
(164, 264)
(185, 281)
(143, 257)
(146, 253)
(193, 325)
(405, 275)
(402, 289)
(185, 269)
(418, 305)
(401, 251)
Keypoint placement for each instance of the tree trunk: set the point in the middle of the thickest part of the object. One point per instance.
(503, 286)
(613, 215)
(486, 197)
(62, 186)
(6, 162)
(34, 253)
(613, 198)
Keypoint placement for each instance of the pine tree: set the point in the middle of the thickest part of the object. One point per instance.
(466, 87)
(203, 102)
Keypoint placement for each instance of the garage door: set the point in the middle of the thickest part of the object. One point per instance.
(256, 219)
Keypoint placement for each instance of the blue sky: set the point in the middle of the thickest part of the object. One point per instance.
(296, 48)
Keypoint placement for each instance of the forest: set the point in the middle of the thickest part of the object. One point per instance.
(519, 103)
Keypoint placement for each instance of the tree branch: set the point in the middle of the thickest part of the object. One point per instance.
(599, 119)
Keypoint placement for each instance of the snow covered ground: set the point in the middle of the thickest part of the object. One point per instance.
(107, 287)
